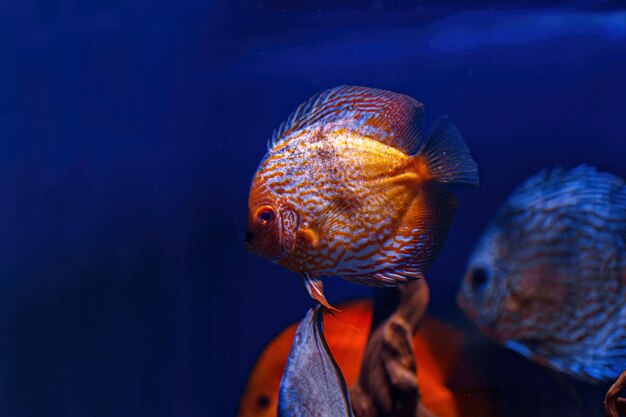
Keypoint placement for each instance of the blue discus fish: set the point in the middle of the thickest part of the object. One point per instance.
(548, 277)
(312, 384)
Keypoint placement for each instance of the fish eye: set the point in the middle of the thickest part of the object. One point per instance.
(478, 278)
(266, 215)
(263, 401)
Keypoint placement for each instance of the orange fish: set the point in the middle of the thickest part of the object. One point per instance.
(348, 187)
(437, 349)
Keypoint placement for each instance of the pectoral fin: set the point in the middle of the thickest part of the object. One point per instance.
(315, 288)
(309, 236)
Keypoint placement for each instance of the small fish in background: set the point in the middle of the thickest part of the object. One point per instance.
(349, 187)
(312, 384)
(548, 277)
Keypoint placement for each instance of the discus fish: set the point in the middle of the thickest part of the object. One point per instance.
(312, 384)
(548, 278)
(348, 187)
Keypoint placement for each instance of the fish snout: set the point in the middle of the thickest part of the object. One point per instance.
(260, 244)
(247, 241)
(464, 304)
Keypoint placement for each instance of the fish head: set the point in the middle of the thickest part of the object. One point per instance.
(272, 224)
(484, 289)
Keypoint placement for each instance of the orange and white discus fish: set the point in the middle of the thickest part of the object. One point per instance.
(348, 187)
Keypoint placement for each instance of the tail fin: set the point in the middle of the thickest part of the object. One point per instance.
(446, 155)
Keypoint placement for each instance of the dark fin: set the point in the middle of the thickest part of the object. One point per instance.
(391, 118)
(315, 288)
(312, 384)
(447, 158)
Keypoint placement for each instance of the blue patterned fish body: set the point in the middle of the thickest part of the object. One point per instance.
(312, 384)
(548, 278)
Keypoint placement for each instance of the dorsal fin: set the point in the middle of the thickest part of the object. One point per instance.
(391, 118)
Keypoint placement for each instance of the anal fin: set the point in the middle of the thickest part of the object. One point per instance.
(387, 277)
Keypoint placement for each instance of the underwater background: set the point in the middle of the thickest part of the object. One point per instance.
(130, 132)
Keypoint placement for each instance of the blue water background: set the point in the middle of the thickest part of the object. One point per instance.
(130, 130)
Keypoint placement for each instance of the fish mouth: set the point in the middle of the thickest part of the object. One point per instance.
(247, 239)
(487, 326)
(247, 242)
(472, 315)
(491, 331)
(464, 305)
(250, 247)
